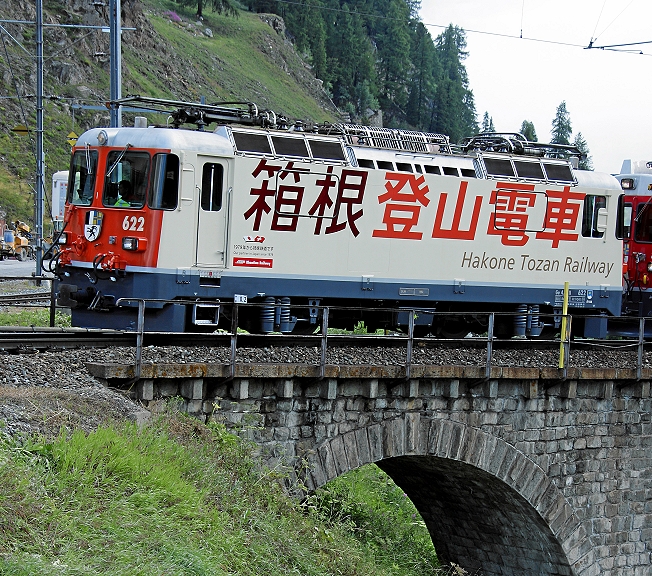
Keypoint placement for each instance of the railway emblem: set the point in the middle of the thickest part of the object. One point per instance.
(93, 225)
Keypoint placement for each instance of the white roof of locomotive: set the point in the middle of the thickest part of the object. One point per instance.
(636, 167)
(195, 140)
(590, 179)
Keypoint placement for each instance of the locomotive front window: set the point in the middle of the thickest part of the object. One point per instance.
(211, 187)
(164, 191)
(592, 205)
(125, 183)
(643, 223)
(81, 183)
(624, 219)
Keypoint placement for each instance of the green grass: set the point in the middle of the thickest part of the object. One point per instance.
(182, 498)
(33, 317)
(367, 504)
(245, 60)
(238, 63)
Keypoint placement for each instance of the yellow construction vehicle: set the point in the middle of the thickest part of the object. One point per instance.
(16, 242)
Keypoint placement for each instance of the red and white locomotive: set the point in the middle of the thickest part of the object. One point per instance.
(339, 215)
(634, 226)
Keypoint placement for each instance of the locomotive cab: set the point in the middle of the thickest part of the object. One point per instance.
(634, 227)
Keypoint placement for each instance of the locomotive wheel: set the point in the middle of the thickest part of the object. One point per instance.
(454, 328)
(305, 328)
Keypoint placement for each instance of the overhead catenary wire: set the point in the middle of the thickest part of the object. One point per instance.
(444, 26)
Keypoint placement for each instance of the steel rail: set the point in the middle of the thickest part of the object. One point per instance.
(27, 297)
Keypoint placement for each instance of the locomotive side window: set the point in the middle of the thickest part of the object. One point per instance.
(450, 171)
(498, 167)
(211, 187)
(403, 167)
(432, 169)
(529, 170)
(467, 173)
(364, 163)
(82, 177)
(246, 142)
(559, 172)
(290, 146)
(384, 165)
(125, 184)
(590, 218)
(326, 150)
(624, 219)
(643, 223)
(164, 190)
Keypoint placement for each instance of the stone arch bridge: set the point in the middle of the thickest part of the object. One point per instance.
(523, 473)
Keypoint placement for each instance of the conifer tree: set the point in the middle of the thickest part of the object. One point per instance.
(220, 6)
(527, 129)
(454, 111)
(488, 123)
(422, 85)
(393, 44)
(561, 125)
(586, 162)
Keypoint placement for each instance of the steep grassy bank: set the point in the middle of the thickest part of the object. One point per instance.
(246, 58)
(179, 497)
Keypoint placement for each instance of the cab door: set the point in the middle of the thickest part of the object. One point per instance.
(212, 179)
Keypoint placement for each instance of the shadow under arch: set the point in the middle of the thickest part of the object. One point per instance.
(487, 505)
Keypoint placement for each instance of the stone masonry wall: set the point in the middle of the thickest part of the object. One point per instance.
(512, 476)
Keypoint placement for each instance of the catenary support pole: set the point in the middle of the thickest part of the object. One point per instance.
(40, 157)
(115, 30)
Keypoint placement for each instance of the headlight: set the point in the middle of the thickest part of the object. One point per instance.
(649, 266)
(627, 184)
(129, 243)
(63, 238)
(134, 244)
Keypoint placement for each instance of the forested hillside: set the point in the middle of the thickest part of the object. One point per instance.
(368, 61)
(377, 55)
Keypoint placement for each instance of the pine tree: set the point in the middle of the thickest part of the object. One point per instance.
(580, 143)
(561, 126)
(226, 6)
(454, 110)
(527, 129)
(488, 123)
(422, 85)
(394, 64)
(351, 64)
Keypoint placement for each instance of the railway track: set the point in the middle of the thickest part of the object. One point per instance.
(38, 338)
(41, 296)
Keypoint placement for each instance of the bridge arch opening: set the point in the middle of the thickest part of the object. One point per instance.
(476, 520)
(486, 505)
